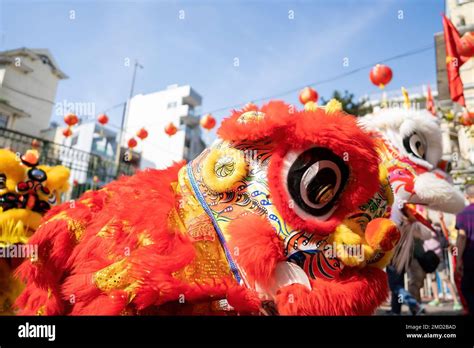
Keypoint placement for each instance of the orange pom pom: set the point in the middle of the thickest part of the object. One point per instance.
(382, 234)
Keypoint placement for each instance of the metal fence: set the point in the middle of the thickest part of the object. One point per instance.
(88, 171)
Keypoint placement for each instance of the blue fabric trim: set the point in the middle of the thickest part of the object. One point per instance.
(203, 202)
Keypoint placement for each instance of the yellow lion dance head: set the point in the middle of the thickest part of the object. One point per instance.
(27, 192)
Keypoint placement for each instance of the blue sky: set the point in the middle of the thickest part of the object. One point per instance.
(275, 53)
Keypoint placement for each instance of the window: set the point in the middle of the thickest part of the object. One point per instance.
(74, 140)
(104, 146)
(172, 105)
(3, 121)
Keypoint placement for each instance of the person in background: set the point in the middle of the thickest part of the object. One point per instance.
(402, 260)
(399, 295)
(439, 244)
(465, 249)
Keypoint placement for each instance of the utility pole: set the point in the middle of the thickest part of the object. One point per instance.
(125, 115)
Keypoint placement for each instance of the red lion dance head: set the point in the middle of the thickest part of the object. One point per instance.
(260, 222)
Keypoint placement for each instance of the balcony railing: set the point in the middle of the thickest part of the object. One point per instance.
(88, 171)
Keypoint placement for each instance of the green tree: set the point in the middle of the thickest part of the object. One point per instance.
(349, 105)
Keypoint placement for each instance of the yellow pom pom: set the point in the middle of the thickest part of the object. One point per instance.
(223, 168)
(311, 106)
(333, 106)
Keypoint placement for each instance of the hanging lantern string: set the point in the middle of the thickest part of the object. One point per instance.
(293, 90)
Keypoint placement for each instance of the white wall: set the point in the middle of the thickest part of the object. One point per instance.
(151, 111)
(41, 82)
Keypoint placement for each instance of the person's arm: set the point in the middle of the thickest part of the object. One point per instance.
(460, 245)
(443, 225)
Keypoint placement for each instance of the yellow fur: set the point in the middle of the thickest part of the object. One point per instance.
(351, 233)
(16, 225)
(10, 288)
(10, 165)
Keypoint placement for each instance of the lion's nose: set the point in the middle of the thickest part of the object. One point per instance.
(382, 234)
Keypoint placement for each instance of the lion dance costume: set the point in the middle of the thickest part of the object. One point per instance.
(410, 146)
(27, 191)
(263, 222)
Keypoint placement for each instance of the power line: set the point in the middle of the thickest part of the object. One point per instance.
(330, 79)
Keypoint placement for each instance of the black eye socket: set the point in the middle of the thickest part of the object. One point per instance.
(315, 181)
(9, 201)
(37, 174)
(416, 145)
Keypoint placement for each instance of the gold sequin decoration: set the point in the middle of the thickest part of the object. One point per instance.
(210, 263)
(113, 277)
(144, 239)
(73, 225)
(41, 310)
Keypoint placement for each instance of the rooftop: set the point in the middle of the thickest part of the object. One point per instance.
(34, 53)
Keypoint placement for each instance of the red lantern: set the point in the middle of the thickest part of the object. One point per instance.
(466, 48)
(208, 122)
(71, 120)
(142, 134)
(381, 75)
(103, 119)
(308, 94)
(132, 143)
(171, 129)
(67, 132)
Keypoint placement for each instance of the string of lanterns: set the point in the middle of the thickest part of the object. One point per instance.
(132, 143)
(380, 75)
(71, 120)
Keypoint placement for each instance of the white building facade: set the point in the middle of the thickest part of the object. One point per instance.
(154, 111)
(28, 84)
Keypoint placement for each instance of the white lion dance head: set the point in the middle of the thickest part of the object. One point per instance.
(411, 149)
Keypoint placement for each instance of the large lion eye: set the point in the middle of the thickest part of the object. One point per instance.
(315, 181)
(416, 145)
(37, 174)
